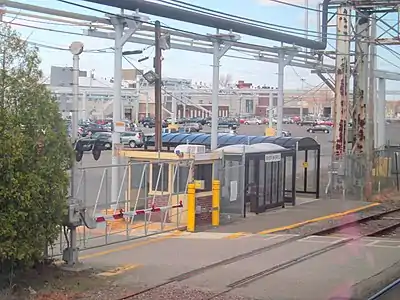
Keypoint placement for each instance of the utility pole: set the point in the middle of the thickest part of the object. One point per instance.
(70, 254)
(157, 87)
(137, 102)
(301, 98)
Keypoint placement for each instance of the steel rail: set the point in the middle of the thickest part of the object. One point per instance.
(224, 262)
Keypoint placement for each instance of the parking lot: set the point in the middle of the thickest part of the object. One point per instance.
(90, 181)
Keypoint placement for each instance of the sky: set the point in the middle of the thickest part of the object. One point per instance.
(177, 63)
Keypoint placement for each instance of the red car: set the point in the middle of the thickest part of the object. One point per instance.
(326, 123)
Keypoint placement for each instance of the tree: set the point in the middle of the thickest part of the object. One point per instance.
(225, 80)
(34, 155)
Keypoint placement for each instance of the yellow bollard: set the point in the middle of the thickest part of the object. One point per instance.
(191, 207)
(215, 202)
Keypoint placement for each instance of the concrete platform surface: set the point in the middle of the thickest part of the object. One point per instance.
(293, 215)
(331, 274)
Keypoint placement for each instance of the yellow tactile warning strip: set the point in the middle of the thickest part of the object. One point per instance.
(323, 218)
(237, 235)
(118, 271)
(134, 244)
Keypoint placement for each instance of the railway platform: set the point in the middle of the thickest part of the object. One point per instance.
(265, 263)
(294, 216)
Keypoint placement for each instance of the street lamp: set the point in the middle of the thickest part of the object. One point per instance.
(132, 52)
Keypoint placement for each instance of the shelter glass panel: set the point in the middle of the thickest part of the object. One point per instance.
(231, 175)
(181, 178)
(159, 177)
(261, 183)
(204, 172)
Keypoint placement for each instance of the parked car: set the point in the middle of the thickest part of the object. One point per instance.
(201, 121)
(319, 128)
(134, 139)
(151, 123)
(253, 121)
(193, 127)
(90, 129)
(228, 123)
(307, 122)
(103, 139)
(286, 133)
(325, 122)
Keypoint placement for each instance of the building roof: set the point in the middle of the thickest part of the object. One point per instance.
(226, 139)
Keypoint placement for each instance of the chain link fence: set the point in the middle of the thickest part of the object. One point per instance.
(349, 179)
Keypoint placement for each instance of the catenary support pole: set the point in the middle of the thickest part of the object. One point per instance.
(214, 97)
(121, 38)
(217, 54)
(342, 79)
(173, 108)
(157, 87)
(285, 55)
(372, 97)
(381, 114)
(117, 104)
(360, 93)
(281, 78)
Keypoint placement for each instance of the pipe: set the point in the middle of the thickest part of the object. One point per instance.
(203, 19)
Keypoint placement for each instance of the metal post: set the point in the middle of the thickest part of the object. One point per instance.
(371, 126)
(381, 114)
(137, 103)
(76, 49)
(270, 111)
(157, 87)
(120, 39)
(214, 97)
(281, 78)
(147, 104)
(361, 81)
(341, 103)
(117, 103)
(173, 107)
(301, 99)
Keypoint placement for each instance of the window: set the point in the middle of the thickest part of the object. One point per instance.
(181, 179)
(159, 176)
(204, 172)
(249, 106)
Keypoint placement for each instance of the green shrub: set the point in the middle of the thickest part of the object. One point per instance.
(34, 155)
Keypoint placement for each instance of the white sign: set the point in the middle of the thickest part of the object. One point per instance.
(234, 191)
(273, 157)
(119, 126)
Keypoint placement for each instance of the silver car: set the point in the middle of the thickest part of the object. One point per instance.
(253, 121)
(134, 139)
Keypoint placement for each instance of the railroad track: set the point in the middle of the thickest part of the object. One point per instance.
(383, 223)
(256, 276)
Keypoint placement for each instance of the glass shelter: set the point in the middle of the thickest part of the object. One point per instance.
(253, 178)
(308, 154)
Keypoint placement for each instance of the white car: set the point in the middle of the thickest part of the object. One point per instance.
(253, 121)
